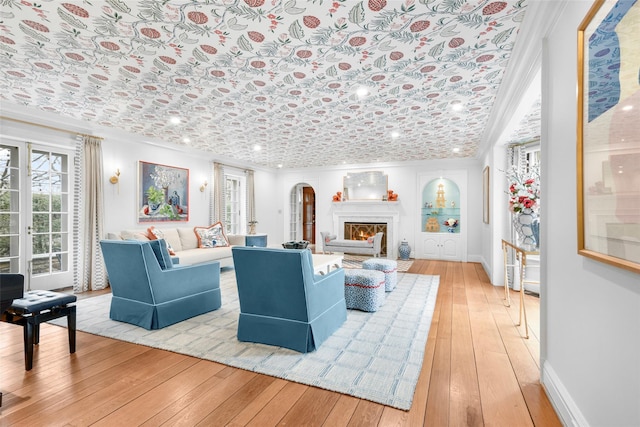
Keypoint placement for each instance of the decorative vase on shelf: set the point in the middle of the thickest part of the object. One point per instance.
(404, 250)
(527, 226)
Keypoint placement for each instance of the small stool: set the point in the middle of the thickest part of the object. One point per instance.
(37, 307)
(363, 289)
(388, 266)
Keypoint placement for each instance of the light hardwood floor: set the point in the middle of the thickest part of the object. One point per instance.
(477, 370)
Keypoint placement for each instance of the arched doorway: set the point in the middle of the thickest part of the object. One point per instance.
(303, 213)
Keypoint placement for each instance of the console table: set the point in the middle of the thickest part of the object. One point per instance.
(520, 252)
(259, 240)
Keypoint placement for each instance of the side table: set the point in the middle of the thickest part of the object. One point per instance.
(259, 240)
(520, 253)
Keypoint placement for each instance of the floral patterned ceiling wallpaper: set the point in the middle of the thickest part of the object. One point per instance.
(283, 75)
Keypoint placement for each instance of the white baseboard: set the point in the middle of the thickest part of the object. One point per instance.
(569, 413)
(480, 259)
(475, 258)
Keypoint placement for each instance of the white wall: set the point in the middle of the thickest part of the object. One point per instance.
(123, 151)
(590, 311)
(403, 180)
(121, 203)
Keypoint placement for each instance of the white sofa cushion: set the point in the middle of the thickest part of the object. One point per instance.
(188, 238)
(134, 235)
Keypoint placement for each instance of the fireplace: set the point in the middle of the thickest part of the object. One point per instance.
(364, 230)
(369, 212)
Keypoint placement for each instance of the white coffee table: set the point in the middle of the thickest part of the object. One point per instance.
(323, 263)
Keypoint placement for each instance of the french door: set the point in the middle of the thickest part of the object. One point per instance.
(35, 220)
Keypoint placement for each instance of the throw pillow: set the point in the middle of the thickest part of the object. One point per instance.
(211, 237)
(369, 239)
(329, 238)
(162, 254)
(155, 234)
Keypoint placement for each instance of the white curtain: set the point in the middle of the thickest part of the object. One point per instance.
(251, 197)
(91, 216)
(218, 193)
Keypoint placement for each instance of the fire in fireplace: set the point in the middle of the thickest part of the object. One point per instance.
(364, 230)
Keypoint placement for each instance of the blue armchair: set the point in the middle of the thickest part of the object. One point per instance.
(282, 302)
(149, 291)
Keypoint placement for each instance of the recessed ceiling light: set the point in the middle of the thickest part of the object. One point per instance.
(186, 140)
(175, 120)
(279, 165)
(362, 92)
(456, 150)
(257, 147)
(627, 108)
(457, 107)
(395, 134)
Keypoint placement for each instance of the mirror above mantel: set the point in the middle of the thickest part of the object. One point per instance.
(369, 185)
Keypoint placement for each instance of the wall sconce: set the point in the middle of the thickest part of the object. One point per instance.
(115, 177)
(203, 186)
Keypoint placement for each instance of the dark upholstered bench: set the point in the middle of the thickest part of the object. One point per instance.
(36, 307)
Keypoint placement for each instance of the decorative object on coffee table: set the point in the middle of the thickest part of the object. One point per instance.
(302, 244)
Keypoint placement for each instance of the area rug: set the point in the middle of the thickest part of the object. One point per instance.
(355, 261)
(374, 356)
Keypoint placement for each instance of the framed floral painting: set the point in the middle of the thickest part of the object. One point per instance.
(608, 164)
(163, 193)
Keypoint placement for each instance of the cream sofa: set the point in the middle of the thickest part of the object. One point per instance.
(184, 243)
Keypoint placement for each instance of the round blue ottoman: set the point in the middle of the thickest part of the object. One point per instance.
(363, 289)
(388, 266)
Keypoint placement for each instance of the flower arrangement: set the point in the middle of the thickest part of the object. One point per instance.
(524, 189)
(451, 222)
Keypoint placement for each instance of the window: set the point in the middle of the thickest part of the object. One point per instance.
(235, 212)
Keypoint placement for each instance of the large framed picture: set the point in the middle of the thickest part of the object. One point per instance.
(163, 193)
(609, 134)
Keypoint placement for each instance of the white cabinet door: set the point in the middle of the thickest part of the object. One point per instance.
(445, 246)
(430, 247)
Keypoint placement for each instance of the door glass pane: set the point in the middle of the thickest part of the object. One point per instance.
(59, 263)
(56, 183)
(5, 249)
(56, 222)
(56, 162)
(10, 210)
(40, 265)
(40, 244)
(50, 204)
(40, 202)
(56, 203)
(56, 242)
(41, 223)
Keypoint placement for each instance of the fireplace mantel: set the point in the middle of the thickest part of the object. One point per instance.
(369, 211)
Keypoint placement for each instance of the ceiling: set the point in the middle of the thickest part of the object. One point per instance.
(281, 75)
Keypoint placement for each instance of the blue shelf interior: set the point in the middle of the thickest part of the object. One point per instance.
(435, 194)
